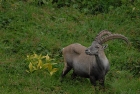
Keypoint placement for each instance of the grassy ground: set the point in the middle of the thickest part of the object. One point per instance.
(27, 28)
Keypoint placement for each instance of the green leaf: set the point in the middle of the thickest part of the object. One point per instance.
(31, 67)
(35, 55)
(47, 57)
(49, 67)
(27, 71)
(53, 63)
(39, 65)
(38, 57)
(53, 71)
(34, 68)
(45, 66)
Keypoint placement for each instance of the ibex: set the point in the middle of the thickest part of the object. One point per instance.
(89, 62)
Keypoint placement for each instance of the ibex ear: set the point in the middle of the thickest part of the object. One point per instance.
(105, 46)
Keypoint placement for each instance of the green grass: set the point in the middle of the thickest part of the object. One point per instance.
(26, 28)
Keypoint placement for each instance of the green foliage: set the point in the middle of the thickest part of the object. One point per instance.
(39, 2)
(36, 63)
(92, 6)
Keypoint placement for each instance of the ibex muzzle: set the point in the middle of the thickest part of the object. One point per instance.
(89, 62)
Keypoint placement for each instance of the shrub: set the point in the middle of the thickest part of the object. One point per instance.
(36, 64)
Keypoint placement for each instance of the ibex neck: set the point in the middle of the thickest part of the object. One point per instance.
(102, 61)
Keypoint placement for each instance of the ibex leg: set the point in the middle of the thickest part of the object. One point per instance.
(101, 81)
(73, 76)
(93, 80)
(66, 69)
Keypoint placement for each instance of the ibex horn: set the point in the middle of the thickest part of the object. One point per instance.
(113, 36)
(101, 34)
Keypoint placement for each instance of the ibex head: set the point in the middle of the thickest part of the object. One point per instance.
(104, 36)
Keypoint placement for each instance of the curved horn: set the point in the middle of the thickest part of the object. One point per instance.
(102, 33)
(113, 36)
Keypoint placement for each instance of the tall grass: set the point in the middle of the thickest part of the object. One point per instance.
(26, 28)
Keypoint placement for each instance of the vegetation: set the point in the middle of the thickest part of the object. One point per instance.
(29, 26)
(36, 63)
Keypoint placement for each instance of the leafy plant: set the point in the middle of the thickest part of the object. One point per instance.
(39, 62)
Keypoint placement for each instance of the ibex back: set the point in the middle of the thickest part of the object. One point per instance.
(89, 62)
